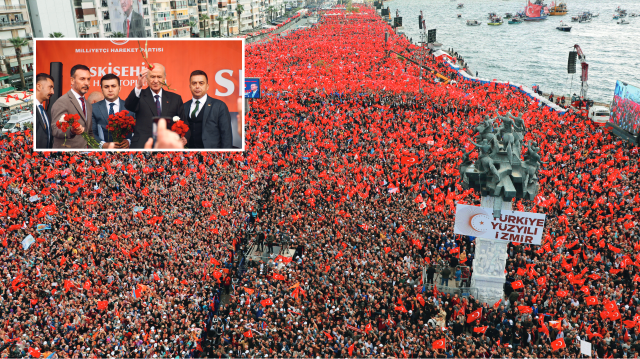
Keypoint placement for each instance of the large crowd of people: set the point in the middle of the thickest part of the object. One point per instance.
(145, 254)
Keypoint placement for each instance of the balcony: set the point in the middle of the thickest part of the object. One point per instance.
(178, 24)
(162, 18)
(192, 3)
(180, 17)
(175, 6)
(25, 54)
(7, 43)
(5, 24)
(181, 33)
(12, 8)
(89, 30)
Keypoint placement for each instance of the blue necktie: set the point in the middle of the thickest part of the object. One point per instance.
(46, 122)
(111, 109)
(158, 104)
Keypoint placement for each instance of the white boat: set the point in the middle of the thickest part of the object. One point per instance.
(623, 22)
(473, 23)
(633, 15)
(564, 27)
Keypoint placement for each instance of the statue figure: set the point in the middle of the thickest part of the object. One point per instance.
(484, 160)
(506, 130)
(532, 162)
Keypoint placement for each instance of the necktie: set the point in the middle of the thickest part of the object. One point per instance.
(158, 104)
(128, 26)
(111, 109)
(195, 110)
(84, 109)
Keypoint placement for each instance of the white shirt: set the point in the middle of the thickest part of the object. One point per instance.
(202, 100)
(78, 99)
(116, 107)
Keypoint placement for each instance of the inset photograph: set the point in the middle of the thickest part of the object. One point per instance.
(123, 95)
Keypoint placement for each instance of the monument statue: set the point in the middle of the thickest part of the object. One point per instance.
(500, 170)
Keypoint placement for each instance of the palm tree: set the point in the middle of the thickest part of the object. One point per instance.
(192, 24)
(204, 19)
(270, 10)
(220, 26)
(56, 34)
(18, 43)
(118, 34)
(228, 20)
(239, 10)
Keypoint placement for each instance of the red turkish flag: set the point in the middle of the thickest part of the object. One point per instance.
(454, 250)
(541, 281)
(411, 160)
(87, 285)
(562, 293)
(34, 352)
(585, 290)
(420, 299)
(155, 276)
(438, 344)
(266, 302)
(248, 334)
(517, 284)
(558, 344)
(480, 329)
(102, 304)
(368, 328)
(524, 309)
(419, 199)
(475, 315)
(592, 300)
(387, 249)
(278, 276)
(497, 304)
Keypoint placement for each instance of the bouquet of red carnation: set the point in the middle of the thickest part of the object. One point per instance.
(180, 128)
(72, 120)
(121, 125)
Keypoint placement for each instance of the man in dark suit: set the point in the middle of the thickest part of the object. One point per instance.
(151, 102)
(254, 91)
(44, 90)
(133, 22)
(112, 104)
(209, 118)
(74, 103)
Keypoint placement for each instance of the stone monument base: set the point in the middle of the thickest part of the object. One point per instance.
(489, 262)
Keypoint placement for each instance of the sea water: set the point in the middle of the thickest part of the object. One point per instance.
(535, 52)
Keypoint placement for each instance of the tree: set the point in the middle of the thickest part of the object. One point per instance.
(192, 24)
(118, 34)
(270, 10)
(18, 43)
(204, 19)
(239, 10)
(56, 34)
(228, 19)
(220, 26)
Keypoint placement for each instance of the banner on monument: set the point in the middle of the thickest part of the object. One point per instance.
(512, 226)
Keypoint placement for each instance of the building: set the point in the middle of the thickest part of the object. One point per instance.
(14, 23)
(48, 17)
(93, 18)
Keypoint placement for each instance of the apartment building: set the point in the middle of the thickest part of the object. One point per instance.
(14, 23)
(48, 17)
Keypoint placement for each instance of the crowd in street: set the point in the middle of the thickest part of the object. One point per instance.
(144, 254)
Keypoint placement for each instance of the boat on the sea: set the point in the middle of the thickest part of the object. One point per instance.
(473, 23)
(535, 11)
(563, 27)
(575, 18)
(585, 18)
(496, 21)
(508, 15)
(595, 15)
(558, 10)
(616, 17)
(459, 16)
(633, 15)
(492, 15)
(623, 22)
(460, 6)
(515, 21)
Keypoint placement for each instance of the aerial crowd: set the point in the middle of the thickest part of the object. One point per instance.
(351, 160)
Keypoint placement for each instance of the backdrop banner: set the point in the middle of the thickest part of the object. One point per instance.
(222, 60)
(512, 226)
